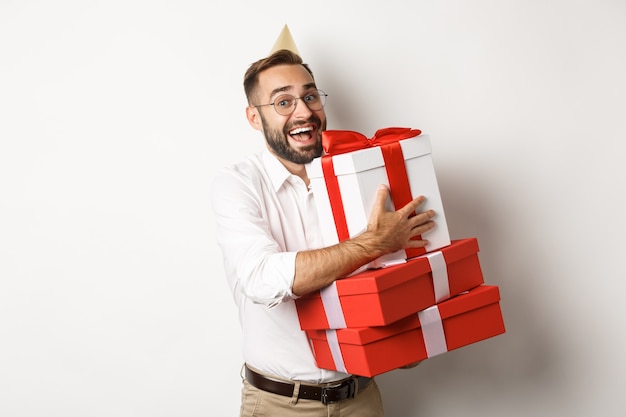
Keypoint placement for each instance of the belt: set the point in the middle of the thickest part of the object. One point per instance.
(344, 389)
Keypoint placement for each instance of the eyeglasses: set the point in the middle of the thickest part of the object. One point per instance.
(285, 104)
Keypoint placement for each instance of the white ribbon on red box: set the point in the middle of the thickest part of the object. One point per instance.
(332, 304)
(432, 333)
(332, 307)
(335, 350)
(440, 275)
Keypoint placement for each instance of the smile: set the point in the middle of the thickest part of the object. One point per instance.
(300, 130)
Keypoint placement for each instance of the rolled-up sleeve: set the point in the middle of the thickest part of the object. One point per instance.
(256, 261)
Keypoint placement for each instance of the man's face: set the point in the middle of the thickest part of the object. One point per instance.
(296, 137)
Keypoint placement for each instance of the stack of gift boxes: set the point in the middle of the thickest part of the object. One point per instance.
(406, 306)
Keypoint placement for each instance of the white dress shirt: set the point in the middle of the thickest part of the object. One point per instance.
(264, 216)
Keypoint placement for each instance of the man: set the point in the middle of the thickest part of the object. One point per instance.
(268, 232)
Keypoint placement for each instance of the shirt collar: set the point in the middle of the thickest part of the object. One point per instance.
(276, 171)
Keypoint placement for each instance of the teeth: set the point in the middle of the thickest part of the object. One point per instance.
(300, 130)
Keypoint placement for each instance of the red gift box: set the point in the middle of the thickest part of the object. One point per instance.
(381, 296)
(369, 351)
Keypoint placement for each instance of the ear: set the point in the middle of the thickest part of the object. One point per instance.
(252, 114)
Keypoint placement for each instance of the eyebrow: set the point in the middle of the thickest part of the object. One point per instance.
(290, 87)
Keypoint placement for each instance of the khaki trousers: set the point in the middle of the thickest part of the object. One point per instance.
(257, 403)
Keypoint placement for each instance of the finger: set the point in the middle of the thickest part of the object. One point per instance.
(422, 228)
(416, 243)
(382, 193)
(410, 208)
(417, 239)
(422, 217)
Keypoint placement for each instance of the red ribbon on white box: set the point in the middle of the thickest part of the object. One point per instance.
(432, 331)
(336, 142)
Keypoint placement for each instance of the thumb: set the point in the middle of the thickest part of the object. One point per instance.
(382, 193)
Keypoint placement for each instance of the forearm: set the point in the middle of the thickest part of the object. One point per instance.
(387, 232)
(318, 268)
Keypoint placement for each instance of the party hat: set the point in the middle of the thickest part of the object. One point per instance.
(285, 41)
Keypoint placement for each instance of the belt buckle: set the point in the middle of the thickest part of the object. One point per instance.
(349, 386)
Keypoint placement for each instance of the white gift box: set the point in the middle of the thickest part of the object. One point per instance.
(359, 173)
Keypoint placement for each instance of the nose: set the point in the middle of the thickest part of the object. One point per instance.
(302, 110)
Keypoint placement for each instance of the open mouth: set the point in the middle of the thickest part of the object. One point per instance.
(301, 134)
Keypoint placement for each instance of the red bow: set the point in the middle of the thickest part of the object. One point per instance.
(336, 142)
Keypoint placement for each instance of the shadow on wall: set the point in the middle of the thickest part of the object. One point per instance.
(509, 368)
(515, 369)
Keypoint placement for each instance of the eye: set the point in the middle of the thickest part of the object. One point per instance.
(284, 101)
(312, 97)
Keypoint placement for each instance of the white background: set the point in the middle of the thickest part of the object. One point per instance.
(114, 116)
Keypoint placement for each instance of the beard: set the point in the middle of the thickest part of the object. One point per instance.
(276, 139)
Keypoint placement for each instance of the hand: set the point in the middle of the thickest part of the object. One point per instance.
(387, 232)
(395, 230)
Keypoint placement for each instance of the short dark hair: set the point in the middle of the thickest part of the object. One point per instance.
(280, 57)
